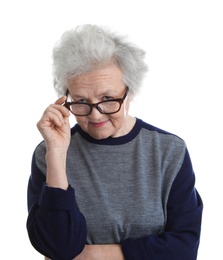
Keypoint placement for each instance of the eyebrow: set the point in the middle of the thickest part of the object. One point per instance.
(106, 93)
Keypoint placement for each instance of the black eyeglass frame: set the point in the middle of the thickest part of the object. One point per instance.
(67, 104)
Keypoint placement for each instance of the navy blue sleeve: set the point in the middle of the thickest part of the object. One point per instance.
(180, 239)
(55, 226)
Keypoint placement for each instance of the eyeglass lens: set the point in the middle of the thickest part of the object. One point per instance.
(104, 107)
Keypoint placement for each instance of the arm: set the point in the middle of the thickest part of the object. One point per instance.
(101, 252)
(55, 226)
(180, 238)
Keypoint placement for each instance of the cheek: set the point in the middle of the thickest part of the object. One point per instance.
(119, 118)
(82, 121)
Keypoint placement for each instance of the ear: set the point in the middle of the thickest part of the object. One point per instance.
(130, 96)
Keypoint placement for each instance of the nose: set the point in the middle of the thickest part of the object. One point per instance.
(95, 113)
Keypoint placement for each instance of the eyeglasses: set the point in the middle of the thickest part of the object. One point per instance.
(111, 106)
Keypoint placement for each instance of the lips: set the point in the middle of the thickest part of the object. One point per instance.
(99, 124)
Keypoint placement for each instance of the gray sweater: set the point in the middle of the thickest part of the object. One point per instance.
(122, 184)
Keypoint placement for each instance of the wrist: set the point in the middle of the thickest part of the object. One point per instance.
(56, 169)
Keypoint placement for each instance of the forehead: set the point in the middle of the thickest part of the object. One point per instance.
(108, 78)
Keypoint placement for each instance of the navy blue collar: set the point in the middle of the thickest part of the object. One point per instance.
(110, 141)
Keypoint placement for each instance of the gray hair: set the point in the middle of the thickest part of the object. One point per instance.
(89, 47)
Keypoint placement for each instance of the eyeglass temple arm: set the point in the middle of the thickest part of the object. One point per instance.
(67, 93)
(65, 103)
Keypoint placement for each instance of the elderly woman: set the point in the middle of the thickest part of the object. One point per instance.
(112, 186)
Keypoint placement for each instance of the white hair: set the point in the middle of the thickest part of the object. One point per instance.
(89, 47)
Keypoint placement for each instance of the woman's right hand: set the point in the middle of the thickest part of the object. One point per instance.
(54, 125)
(55, 128)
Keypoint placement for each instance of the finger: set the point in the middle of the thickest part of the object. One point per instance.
(61, 100)
(52, 117)
(57, 114)
(49, 121)
(62, 109)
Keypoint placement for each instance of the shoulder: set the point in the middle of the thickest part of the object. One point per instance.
(39, 156)
(167, 147)
(161, 136)
(155, 129)
(40, 150)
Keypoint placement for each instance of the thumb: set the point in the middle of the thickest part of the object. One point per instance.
(61, 100)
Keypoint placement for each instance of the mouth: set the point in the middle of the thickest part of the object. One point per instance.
(99, 124)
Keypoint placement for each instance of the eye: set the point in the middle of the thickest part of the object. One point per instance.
(82, 100)
(107, 98)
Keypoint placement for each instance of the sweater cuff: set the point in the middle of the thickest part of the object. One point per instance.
(130, 248)
(56, 198)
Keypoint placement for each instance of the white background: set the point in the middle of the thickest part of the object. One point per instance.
(181, 94)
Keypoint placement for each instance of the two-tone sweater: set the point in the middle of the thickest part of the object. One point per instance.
(135, 190)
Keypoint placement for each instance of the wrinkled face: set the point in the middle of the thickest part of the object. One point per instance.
(100, 85)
